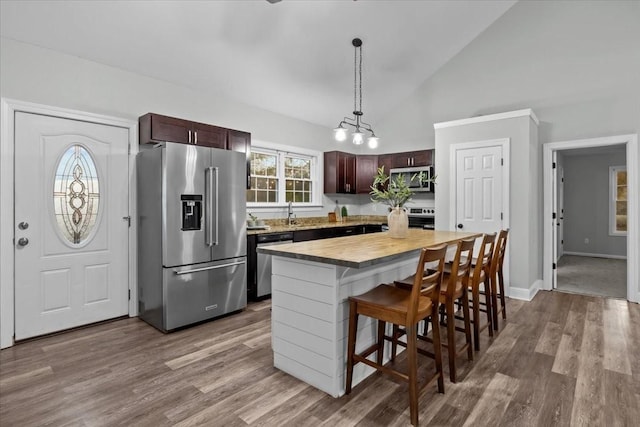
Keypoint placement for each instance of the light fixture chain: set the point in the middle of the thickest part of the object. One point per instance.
(360, 109)
(355, 79)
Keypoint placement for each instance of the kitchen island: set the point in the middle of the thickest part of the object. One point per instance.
(311, 284)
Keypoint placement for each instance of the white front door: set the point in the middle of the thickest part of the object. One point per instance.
(479, 181)
(71, 241)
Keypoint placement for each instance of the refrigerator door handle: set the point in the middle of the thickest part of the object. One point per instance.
(214, 267)
(212, 214)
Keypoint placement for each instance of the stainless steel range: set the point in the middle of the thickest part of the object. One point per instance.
(422, 217)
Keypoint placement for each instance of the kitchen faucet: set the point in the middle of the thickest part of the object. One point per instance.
(291, 218)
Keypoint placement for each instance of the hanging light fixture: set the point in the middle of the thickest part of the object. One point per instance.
(340, 133)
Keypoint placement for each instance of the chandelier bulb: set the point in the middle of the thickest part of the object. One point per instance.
(340, 134)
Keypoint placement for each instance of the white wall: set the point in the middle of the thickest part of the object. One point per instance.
(30, 73)
(586, 204)
(525, 235)
(576, 64)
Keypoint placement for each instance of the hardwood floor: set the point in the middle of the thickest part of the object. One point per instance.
(562, 359)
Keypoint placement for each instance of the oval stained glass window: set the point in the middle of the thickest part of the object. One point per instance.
(76, 194)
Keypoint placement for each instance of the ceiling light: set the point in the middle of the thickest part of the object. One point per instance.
(340, 133)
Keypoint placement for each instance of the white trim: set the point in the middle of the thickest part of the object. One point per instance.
(488, 118)
(633, 224)
(505, 144)
(526, 294)
(8, 109)
(613, 194)
(596, 255)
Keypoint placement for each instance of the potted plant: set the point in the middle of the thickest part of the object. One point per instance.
(253, 220)
(394, 193)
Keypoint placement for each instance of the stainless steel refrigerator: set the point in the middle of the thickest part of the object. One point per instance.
(191, 233)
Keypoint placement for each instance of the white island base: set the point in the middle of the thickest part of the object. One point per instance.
(310, 317)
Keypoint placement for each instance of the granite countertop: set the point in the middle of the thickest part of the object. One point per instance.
(280, 225)
(366, 249)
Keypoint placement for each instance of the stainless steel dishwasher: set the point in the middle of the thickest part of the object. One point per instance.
(264, 260)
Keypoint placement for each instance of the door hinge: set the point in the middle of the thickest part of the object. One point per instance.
(562, 242)
(554, 266)
(128, 219)
(553, 166)
(129, 148)
(501, 216)
(129, 294)
(554, 215)
(501, 162)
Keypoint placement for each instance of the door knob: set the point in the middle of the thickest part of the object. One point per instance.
(23, 225)
(23, 241)
(460, 226)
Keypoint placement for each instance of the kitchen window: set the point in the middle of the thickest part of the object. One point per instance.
(279, 177)
(618, 201)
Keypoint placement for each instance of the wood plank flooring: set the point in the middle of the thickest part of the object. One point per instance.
(562, 359)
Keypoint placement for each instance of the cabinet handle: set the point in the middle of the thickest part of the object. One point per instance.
(189, 136)
(196, 135)
(408, 161)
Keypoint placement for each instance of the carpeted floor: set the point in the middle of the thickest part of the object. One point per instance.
(593, 276)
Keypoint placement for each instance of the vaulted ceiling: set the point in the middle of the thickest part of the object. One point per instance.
(292, 57)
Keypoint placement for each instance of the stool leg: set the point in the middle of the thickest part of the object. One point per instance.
(503, 306)
(380, 352)
(412, 356)
(437, 349)
(475, 294)
(394, 340)
(494, 302)
(487, 300)
(351, 345)
(451, 339)
(467, 323)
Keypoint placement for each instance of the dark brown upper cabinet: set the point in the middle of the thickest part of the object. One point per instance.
(412, 158)
(157, 128)
(339, 172)
(366, 169)
(346, 173)
(241, 142)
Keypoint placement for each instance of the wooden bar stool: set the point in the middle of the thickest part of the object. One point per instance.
(388, 303)
(480, 275)
(455, 287)
(497, 278)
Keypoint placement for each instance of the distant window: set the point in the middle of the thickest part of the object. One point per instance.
(279, 177)
(618, 201)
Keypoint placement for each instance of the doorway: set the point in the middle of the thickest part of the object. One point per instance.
(66, 252)
(580, 240)
(480, 177)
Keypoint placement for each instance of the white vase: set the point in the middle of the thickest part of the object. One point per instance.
(398, 222)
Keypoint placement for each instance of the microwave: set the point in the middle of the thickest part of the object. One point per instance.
(418, 184)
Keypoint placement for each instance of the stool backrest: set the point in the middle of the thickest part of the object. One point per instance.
(427, 282)
(498, 252)
(461, 265)
(484, 257)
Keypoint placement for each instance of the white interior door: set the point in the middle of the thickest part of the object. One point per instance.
(479, 181)
(71, 241)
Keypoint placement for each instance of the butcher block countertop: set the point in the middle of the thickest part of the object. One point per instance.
(280, 225)
(365, 249)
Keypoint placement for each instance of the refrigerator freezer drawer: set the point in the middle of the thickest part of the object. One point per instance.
(199, 292)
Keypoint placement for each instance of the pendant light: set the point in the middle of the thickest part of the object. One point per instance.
(340, 133)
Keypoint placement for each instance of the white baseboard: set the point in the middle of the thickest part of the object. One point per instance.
(595, 255)
(526, 294)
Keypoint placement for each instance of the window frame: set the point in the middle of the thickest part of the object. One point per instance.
(613, 198)
(315, 173)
